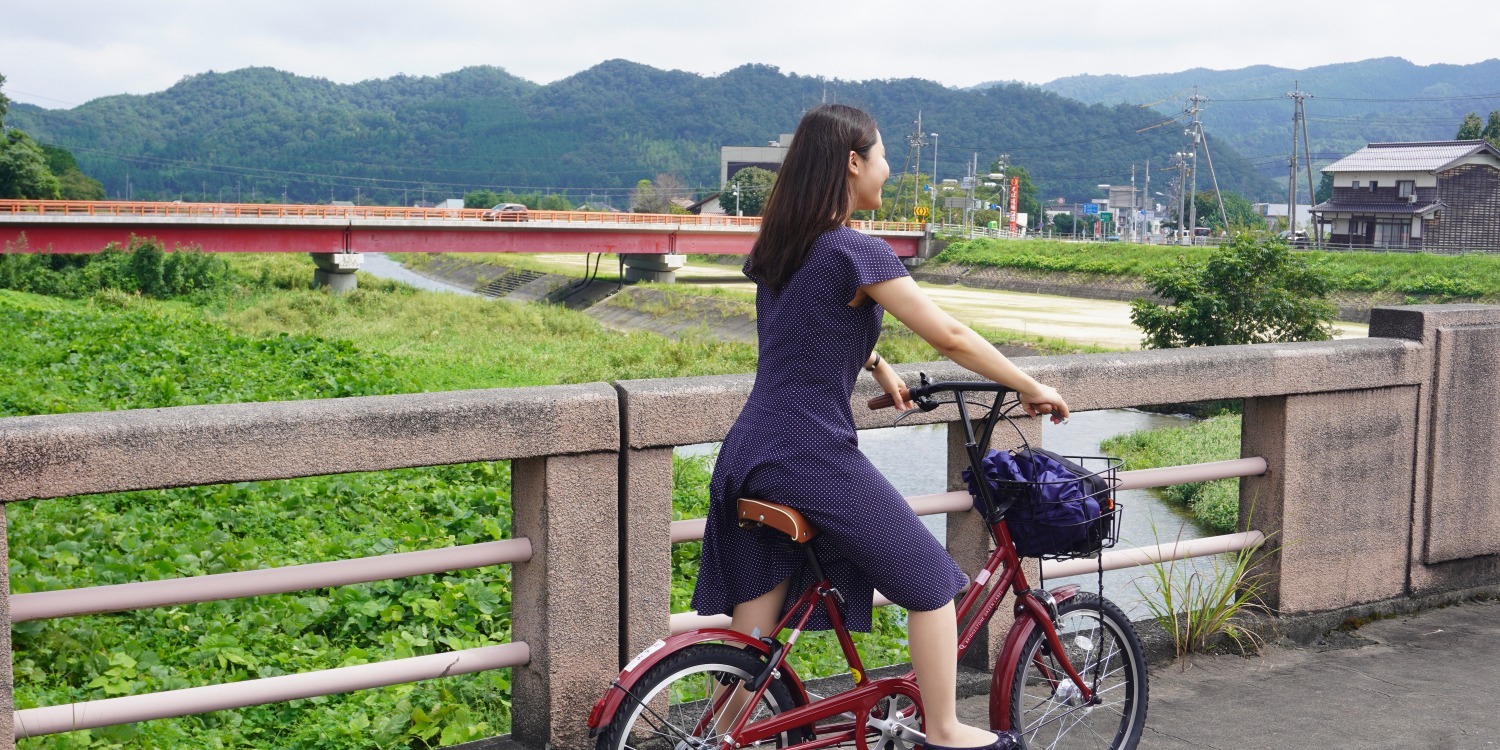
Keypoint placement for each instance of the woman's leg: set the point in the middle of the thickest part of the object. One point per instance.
(933, 639)
(757, 617)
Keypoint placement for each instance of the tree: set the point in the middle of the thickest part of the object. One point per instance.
(1492, 128)
(1324, 192)
(754, 188)
(655, 197)
(1248, 292)
(1064, 223)
(4, 102)
(73, 184)
(1242, 213)
(1472, 128)
(483, 199)
(23, 169)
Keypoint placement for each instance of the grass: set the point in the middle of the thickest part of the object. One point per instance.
(1195, 608)
(1213, 504)
(1472, 276)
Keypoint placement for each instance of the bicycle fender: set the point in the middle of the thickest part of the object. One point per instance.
(606, 707)
(1028, 609)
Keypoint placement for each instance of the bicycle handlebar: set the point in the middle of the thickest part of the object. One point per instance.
(885, 401)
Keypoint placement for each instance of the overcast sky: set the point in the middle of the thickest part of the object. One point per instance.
(61, 53)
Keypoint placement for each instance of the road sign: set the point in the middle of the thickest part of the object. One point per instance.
(1106, 216)
(922, 211)
(1091, 208)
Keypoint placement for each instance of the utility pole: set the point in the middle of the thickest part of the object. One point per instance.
(1132, 203)
(934, 183)
(1200, 140)
(1150, 201)
(1299, 117)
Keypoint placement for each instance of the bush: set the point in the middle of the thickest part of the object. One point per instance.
(143, 268)
(1248, 292)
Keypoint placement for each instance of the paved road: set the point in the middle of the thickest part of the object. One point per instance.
(1429, 681)
(1085, 321)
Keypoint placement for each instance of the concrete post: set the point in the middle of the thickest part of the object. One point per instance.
(331, 274)
(7, 674)
(1456, 511)
(645, 548)
(565, 601)
(661, 269)
(1335, 502)
(969, 539)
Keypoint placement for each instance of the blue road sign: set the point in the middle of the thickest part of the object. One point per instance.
(1091, 208)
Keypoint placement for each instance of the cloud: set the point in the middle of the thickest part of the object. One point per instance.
(70, 52)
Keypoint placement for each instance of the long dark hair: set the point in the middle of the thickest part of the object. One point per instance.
(811, 194)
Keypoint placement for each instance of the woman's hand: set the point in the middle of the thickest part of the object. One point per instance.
(892, 384)
(1044, 400)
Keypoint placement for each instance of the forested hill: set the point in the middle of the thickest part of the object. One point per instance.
(1385, 99)
(260, 131)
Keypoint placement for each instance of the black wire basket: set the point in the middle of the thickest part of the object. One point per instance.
(1041, 528)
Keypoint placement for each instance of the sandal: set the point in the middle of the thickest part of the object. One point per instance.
(1003, 741)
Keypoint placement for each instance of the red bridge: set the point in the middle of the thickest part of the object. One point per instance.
(87, 227)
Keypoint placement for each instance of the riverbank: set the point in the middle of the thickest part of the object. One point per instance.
(1117, 271)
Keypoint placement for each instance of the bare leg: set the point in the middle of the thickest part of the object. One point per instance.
(933, 639)
(755, 617)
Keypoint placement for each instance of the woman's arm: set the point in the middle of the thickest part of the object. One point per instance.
(902, 298)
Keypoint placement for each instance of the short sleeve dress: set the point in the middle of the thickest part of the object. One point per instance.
(795, 444)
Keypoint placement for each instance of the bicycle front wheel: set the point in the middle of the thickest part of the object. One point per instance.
(689, 699)
(1045, 705)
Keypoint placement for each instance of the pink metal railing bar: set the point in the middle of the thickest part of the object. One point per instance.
(128, 596)
(35, 722)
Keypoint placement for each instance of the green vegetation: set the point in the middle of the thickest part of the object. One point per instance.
(1196, 607)
(1251, 291)
(747, 191)
(36, 170)
(1473, 128)
(1446, 277)
(597, 132)
(1214, 504)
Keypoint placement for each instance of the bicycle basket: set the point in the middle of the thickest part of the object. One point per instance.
(1056, 507)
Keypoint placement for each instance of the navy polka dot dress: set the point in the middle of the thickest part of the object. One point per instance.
(795, 444)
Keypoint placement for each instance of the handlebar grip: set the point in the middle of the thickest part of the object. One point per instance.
(884, 400)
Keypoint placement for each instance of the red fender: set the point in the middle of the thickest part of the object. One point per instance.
(1028, 609)
(606, 707)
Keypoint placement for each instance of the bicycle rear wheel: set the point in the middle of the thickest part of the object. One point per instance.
(1102, 645)
(683, 703)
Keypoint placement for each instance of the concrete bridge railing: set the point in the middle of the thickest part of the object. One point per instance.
(1380, 482)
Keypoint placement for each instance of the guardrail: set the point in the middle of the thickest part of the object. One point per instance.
(115, 209)
(563, 443)
(1371, 459)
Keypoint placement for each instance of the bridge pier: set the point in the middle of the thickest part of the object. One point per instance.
(661, 269)
(336, 271)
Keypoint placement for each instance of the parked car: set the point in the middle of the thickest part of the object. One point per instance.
(1295, 239)
(506, 212)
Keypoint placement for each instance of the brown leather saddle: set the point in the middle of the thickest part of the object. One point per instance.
(756, 514)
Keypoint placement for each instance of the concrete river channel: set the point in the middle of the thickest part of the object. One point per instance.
(914, 459)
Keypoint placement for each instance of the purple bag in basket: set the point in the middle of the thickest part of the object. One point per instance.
(1052, 511)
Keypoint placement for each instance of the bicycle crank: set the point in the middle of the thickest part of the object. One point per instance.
(897, 719)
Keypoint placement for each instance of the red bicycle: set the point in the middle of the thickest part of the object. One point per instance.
(1071, 673)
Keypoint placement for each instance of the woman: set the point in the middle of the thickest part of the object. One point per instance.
(821, 290)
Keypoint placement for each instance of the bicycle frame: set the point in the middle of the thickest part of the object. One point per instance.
(1033, 609)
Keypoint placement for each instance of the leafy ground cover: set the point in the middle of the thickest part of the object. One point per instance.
(1475, 276)
(255, 334)
(1215, 504)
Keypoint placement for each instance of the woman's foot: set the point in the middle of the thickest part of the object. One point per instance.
(972, 738)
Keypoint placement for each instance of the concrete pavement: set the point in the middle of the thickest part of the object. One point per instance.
(1429, 680)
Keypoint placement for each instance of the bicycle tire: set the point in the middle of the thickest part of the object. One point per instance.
(1102, 645)
(639, 723)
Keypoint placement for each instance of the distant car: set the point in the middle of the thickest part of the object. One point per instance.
(1295, 239)
(506, 212)
(1114, 238)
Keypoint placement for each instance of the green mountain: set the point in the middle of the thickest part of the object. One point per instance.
(262, 133)
(1380, 100)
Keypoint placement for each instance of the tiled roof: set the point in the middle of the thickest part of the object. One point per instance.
(1345, 207)
(1408, 157)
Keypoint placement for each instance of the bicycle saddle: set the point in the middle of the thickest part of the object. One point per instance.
(758, 513)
